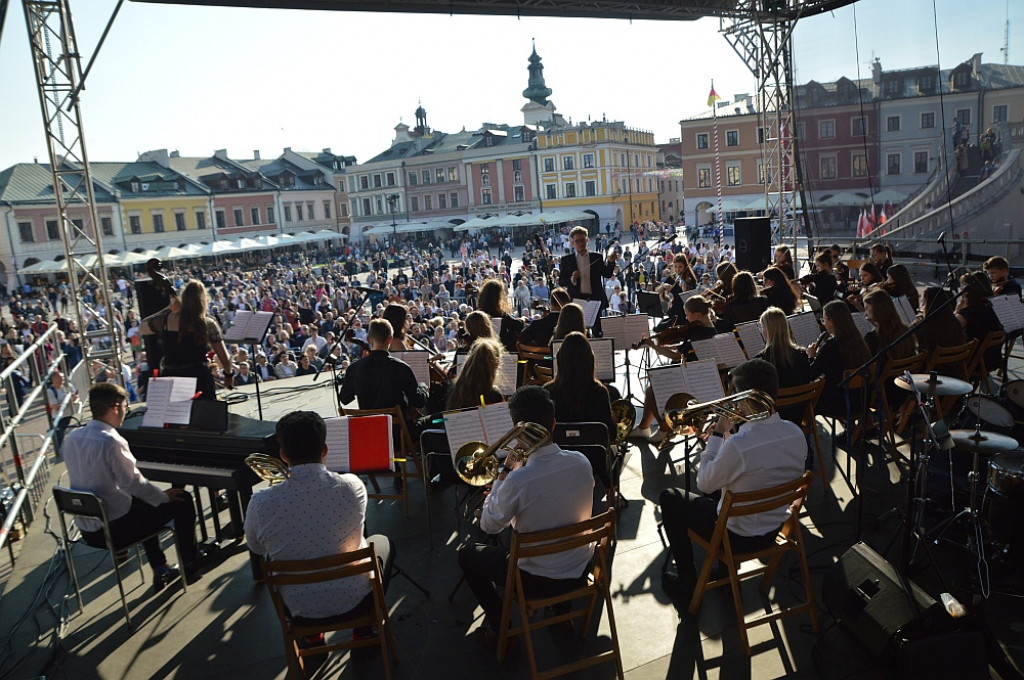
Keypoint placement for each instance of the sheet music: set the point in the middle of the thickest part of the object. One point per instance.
(248, 326)
(604, 356)
(497, 421)
(338, 458)
(1009, 310)
(860, 320)
(727, 350)
(591, 309)
(625, 330)
(496, 325)
(804, 327)
(507, 374)
(461, 427)
(419, 362)
(750, 335)
(704, 349)
(666, 381)
(683, 297)
(169, 400)
(702, 380)
(906, 312)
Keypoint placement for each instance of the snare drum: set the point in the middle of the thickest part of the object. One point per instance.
(993, 415)
(1005, 500)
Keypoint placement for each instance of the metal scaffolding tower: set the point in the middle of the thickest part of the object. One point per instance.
(59, 80)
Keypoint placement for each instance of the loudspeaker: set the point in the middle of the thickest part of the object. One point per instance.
(151, 300)
(753, 237)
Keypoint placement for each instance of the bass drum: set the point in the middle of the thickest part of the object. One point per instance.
(1004, 500)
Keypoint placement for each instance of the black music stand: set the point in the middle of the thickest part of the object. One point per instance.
(253, 339)
(649, 303)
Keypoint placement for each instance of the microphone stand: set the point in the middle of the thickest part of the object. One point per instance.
(953, 283)
(864, 371)
(339, 341)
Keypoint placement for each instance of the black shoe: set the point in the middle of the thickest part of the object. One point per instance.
(195, 568)
(165, 576)
(678, 591)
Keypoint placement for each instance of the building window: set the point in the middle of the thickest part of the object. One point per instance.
(588, 160)
(801, 131)
(549, 165)
(892, 124)
(288, 210)
(52, 232)
(704, 178)
(827, 165)
(413, 179)
(517, 176)
(927, 120)
(893, 87)
(590, 188)
(438, 175)
(826, 129)
(270, 214)
(1000, 114)
(860, 165)
(200, 219)
(428, 202)
(732, 175)
(925, 83)
(568, 163)
(964, 116)
(517, 193)
(391, 179)
(732, 137)
(254, 213)
(25, 231)
(453, 200)
(239, 221)
(380, 206)
(517, 163)
(485, 177)
(298, 212)
(859, 126)
(550, 191)
(309, 211)
(453, 174)
(702, 140)
(425, 176)
(920, 161)
(961, 79)
(760, 172)
(327, 210)
(485, 196)
(414, 203)
(158, 223)
(378, 181)
(442, 201)
(179, 221)
(760, 135)
(107, 225)
(570, 189)
(364, 182)
(892, 164)
(344, 209)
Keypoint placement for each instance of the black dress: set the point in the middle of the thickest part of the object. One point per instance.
(797, 372)
(829, 362)
(981, 321)
(183, 356)
(740, 312)
(592, 406)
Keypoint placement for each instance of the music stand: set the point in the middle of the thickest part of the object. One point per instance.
(252, 332)
(649, 303)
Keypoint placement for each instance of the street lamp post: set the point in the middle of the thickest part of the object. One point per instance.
(392, 204)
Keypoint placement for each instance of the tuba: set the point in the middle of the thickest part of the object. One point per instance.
(477, 464)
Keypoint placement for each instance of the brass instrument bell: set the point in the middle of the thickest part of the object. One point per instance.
(477, 464)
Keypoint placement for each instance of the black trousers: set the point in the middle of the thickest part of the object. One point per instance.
(486, 567)
(682, 511)
(144, 519)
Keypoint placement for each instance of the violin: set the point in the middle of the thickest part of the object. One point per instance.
(673, 335)
(350, 336)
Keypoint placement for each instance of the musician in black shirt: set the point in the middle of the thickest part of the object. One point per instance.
(379, 380)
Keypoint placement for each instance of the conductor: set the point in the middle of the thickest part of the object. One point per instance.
(580, 272)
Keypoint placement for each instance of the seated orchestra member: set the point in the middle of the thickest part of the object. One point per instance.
(745, 305)
(789, 359)
(940, 328)
(398, 316)
(759, 455)
(554, 488)
(840, 268)
(580, 272)
(823, 283)
(540, 331)
(675, 284)
(99, 461)
(844, 349)
(724, 272)
(315, 513)
(778, 290)
(881, 312)
(881, 256)
(379, 380)
(998, 270)
(493, 301)
(478, 325)
(578, 395)
(870, 279)
(899, 283)
(570, 319)
(475, 384)
(977, 317)
(784, 261)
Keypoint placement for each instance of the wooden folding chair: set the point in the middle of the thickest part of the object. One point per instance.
(592, 440)
(533, 355)
(596, 530)
(543, 374)
(405, 450)
(879, 399)
(807, 397)
(789, 539)
(951, 361)
(322, 570)
(977, 370)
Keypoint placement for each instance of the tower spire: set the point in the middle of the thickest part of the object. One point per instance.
(536, 90)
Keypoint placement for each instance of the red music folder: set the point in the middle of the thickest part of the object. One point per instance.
(361, 444)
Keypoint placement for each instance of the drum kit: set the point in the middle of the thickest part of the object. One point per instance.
(987, 461)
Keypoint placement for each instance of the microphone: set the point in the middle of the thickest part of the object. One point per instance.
(942, 237)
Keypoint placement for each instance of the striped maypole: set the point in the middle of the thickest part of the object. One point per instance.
(712, 98)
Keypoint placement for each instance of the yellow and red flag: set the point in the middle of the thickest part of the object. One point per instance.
(713, 97)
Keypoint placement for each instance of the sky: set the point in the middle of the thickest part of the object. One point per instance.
(197, 79)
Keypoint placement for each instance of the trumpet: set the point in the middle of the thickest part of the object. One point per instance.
(683, 411)
(477, 464)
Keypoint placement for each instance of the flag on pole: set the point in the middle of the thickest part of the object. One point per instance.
(713, 97)
(862, 223)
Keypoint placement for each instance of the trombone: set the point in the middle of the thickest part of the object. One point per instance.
(684, 413)
(477, 464)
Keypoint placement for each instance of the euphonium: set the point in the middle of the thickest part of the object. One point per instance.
(267, 468)
(624, 415)
(477, 464)
(694, 415)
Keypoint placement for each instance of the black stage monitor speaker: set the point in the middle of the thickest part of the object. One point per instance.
(753, 238)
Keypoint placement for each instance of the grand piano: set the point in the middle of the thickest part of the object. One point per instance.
(215, 460)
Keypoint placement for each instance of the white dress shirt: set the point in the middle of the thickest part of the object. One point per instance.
(761, 454)
(554, 489)
(99, 460)
(314, 513)
(583, 265)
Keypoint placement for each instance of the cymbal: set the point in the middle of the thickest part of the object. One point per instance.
(982, 442)
(943, 386)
